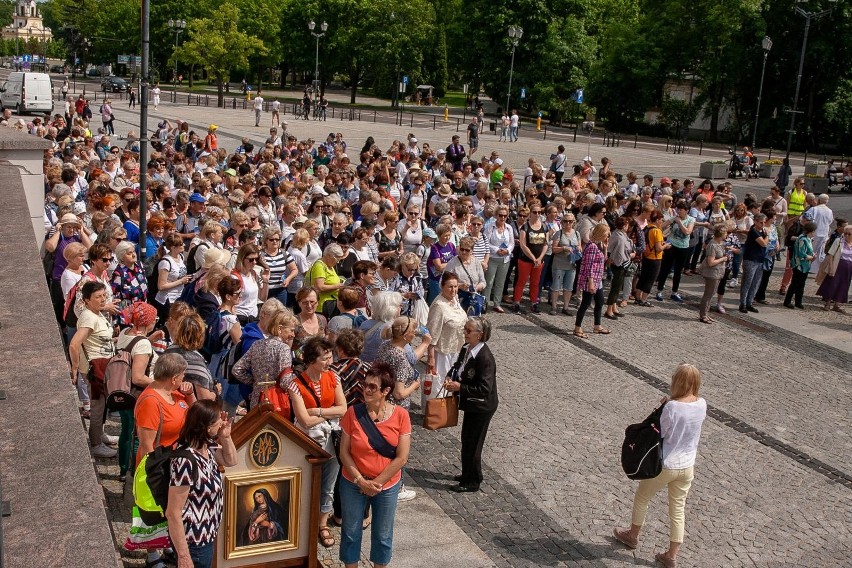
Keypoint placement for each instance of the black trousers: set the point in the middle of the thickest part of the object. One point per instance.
(796, 289)
(474, 429)
(598, 297)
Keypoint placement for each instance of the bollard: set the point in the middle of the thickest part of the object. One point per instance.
(667, 144)
(412, 121)
(446, 113)
(805, 161)
(770, 153)
(538, 124)
(458, 122)
(545, 132)
(434, 122)
(374, 116)
(576, 128)
(700, 146)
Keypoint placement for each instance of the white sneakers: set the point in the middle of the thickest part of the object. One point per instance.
(406, 494)
(109, 440)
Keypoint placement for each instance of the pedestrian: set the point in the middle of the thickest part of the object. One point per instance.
(374, 447)
(754, 251)
(801, 257)
(258, 109)
(680, 430)
(474, 379)
(676, 257)
(504, 127)
(131, 97)
(276, 112)
(107, 117)
(713, 269)
(194, 511)
(590, 279)
(514, 124)
(456, 154)
(155, 92)
(473, 135)
(837, 271)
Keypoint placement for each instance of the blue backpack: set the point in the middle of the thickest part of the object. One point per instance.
(214, 341)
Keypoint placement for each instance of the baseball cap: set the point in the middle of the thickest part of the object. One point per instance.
(498, 161)
(429, 232)
(666, 180)
(197, 198)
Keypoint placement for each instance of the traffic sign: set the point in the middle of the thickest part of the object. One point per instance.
(123, 59)
(523, 93)
(405, 79)
(26, 58)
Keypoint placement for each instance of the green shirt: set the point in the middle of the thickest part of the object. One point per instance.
(330, 278)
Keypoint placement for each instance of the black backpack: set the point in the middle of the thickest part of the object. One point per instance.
(191, 267)
(154, 278)
(642, 450)
(793, 232)
(151, 490)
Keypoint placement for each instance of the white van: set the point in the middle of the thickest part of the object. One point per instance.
(27, 92)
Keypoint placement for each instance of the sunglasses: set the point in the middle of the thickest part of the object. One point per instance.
(107, 259)
(251, 259)
(370, 387)
(347, 212)
(465, 250)
(273, 239)
(567, 220)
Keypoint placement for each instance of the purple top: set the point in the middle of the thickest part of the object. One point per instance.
(59, 262)
(443, 253)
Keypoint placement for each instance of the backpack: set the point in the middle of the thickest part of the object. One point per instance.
(151, 481)
(235, 353)
(154, 278)
(117, 378)
(793, 232)
(356, 320)
(69, 316)
(191, 267)
(214, 341)
(642, 449)
(188, 293)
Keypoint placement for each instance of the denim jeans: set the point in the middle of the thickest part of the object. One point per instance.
(329, 476)
(202, 554)
(383, 505)
(563, 279)
(433, 291)
(750, 281)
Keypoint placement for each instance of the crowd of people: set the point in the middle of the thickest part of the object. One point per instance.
(325, 280)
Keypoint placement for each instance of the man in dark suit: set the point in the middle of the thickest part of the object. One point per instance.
(456, 154)
(474, 378)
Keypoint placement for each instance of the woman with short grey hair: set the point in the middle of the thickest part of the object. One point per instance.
(323, 277)
(128, 281)
(385, 307)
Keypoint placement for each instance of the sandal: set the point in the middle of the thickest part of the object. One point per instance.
(367, 522)
(581, 334)
(601, 331)
(326, 541)
(705, 320)
(838, 309)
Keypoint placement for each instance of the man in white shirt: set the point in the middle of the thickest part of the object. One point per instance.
(514, 123)
(276, 113)
(823, 217)
(258, 108)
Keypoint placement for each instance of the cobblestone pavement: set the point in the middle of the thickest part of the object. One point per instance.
(772, 485)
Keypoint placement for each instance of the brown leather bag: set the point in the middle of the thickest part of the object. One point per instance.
(441, 412)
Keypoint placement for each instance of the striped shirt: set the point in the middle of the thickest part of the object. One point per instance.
(480, 247)
(202, 513)
(352, 373)
(277, 263)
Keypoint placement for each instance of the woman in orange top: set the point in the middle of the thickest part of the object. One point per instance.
(318, 402)
(651, 259)
(370, 477)
(161, 408)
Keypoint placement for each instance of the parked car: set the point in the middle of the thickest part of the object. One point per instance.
(93, 72)
(57, 69)
(113, 85)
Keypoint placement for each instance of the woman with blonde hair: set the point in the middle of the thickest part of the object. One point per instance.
(680, 430)
(255, 285)
(171, 274)
(590, 279)
(188, 337)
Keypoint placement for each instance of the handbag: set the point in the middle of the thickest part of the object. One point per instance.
(441, 412)
(642, 449)
(147, 537)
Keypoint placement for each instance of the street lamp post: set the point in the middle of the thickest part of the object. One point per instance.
(515, 34)
(766, 44)
(178, 26)
(312, 26)
(808, 17)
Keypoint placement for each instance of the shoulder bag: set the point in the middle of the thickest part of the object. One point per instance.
(377, 441)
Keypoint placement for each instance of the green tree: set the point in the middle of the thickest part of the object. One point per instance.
(219, 46)
(838, 110)
(7, 10)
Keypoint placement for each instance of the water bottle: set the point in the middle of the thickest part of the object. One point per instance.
(427, 385)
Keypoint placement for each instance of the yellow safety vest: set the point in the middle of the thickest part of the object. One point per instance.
(797, 203)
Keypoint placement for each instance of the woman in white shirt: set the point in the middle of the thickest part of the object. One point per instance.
(501, 243)
(171, 273)
(680, 429)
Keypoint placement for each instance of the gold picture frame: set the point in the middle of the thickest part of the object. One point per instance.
(257, 506)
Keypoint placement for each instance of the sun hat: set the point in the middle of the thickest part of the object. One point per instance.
(236, 195)
(70, 219)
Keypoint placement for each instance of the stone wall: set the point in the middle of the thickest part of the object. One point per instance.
(46, 474)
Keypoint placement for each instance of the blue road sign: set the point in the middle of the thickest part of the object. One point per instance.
(26, 58)
(523, 93)
(578, 96)
(405, 79)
